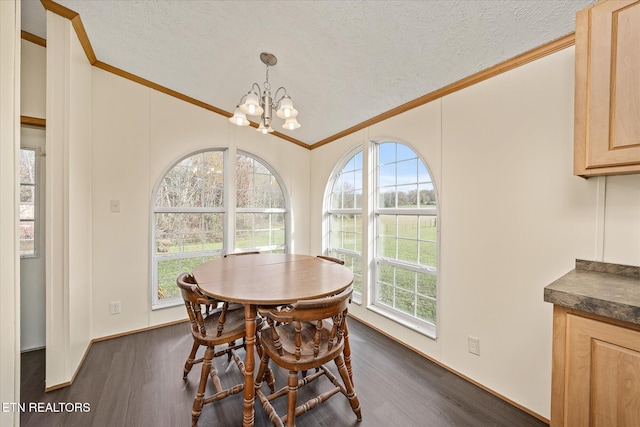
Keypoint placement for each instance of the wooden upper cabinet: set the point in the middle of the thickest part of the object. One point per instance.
(607, 96)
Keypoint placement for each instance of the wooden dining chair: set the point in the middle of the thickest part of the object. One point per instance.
(217, 327)
(347, 346)
(304, 336)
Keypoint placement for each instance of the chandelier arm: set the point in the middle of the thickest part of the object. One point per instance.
(275, 95)
(259, 91)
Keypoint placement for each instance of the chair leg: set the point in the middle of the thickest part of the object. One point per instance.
(292, 397)
(204, 375)
(268, 374)
(348, 385)
(189, 363)
(347, 352)
(263, 370)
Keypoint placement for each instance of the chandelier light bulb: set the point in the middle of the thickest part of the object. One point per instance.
(239, 118)
(251, 105)
(291, 124)
(286, 109)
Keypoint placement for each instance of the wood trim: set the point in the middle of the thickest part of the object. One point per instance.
(517, 61)
(74, 17)
(558, 365)
(57, 386)
(108, 337)
(135, 331)
(33, 121)
(453, 371)
(33, 38)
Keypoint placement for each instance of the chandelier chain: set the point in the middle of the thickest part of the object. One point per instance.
(267, 85)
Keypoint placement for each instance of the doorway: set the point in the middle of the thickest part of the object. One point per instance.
(32, 235)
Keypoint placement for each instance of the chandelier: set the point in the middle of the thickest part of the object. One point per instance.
(261, 103)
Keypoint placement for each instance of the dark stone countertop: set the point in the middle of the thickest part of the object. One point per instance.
(609, 290)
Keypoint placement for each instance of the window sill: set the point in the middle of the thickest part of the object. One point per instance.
(171, 302)
(425, 329)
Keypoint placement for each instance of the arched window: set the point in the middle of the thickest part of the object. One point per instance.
(344, 217)
(193, 223)
(403, 218)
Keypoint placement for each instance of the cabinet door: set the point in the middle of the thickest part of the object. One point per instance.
(603, 374)
(608, 88)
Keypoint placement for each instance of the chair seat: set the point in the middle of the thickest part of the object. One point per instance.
(287, 335)
(234, 328)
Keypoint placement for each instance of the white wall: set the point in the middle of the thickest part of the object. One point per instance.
(34, 79)
(513, 218)
(137, 134)
(68, 194)
(9, 253)
(621, 222)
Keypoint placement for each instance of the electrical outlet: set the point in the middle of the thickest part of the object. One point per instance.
(115, 307)
(474, 345)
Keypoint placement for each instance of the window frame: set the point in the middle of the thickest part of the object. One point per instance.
(285, 211)
(358, 297)
(37, 153)
(370, 212)
(228, 210)
(419, 325)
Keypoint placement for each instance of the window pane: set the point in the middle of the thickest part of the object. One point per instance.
(257, 230)
(387, 153)
(27, 201)
(408, 250)
(347, 187)
(407, 172)
(427, 284)
(407, 196)
(27, 166)
(403, 152)
(387, 175)
(196, 181)
(27, 238)
(169, 270)
(426, 309)
(256, 186)
(179, 232)
(405, 301)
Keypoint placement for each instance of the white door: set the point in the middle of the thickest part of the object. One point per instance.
(32, 260)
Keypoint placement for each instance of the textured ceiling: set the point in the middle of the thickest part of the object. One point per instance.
(342, 62)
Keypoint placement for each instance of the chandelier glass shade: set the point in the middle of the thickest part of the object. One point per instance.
(260, 102)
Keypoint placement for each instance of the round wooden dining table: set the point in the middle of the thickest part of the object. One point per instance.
(267, 279)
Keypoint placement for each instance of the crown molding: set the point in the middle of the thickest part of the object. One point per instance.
(33, 121)
(509, 64)
(74, 17)
(33, 38)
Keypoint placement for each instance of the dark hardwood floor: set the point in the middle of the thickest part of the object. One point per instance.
(136, 380)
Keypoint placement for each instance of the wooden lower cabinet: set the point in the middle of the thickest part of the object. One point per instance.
(596, 371)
